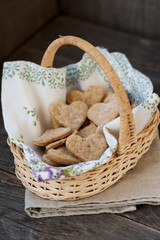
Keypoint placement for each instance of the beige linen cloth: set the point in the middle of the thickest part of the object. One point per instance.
(139, 186)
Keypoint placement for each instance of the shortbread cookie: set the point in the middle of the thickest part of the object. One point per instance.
(52, 113)
(62, 156)
(51, 135)
(86, 149)
(93, 95)
(54, 123)
(86, 123)
(72, 116)
(47, 160)
(74, 95)
(56, 143)
(99, 129)
(103, 112)
(110, 97)
(88, 130)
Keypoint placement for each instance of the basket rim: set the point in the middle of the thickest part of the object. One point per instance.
(90, 183)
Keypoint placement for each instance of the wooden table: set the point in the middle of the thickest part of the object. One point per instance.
(144, 54)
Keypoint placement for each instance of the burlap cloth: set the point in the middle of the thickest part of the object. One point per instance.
(139, 186)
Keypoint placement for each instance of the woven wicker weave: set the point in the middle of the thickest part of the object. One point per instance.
(130, 145)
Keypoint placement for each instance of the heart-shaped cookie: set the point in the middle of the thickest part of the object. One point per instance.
(74, 95)
(51, 110)
(86, 149)
(62, 156)
(72, 115)
(88, 130)
(93, 95)
(103, 112)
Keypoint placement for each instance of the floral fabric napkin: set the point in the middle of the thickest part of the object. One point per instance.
(28, 89)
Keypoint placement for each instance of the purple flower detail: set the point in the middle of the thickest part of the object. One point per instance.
(63, 174)
(48, 169)
(49, 177)
(34, 171)
(33, 160)
(39, 178)
(58, 174)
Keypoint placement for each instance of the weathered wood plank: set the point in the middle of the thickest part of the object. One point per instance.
(20, 19)
(6, 157)
(102, 226)
(11, 191)
(138, 17)
(147, 215)
(15, 230)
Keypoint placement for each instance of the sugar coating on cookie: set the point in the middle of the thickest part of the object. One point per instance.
(62, 156)
(103, 112)
(51, 135)
(72, 116)
(86, 149)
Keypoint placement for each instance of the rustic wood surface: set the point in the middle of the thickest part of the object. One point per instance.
(144, 223)
(20, 19)
(137, 17)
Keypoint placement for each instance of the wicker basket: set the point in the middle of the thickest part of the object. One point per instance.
(130, 145)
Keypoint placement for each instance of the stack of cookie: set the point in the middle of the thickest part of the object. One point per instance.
(77, 133)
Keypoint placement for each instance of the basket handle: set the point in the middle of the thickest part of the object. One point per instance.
(127, 124)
